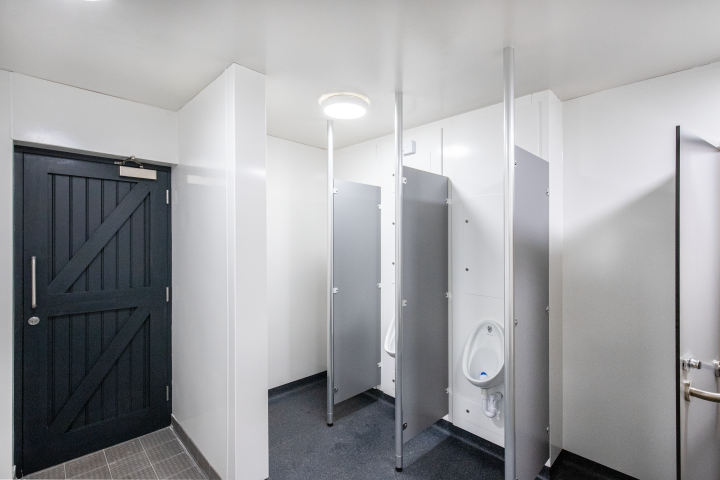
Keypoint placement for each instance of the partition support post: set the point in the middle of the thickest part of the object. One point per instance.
(398, 281)
(509, 117)
(330, 280)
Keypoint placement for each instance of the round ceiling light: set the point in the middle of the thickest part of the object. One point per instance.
(344, 106)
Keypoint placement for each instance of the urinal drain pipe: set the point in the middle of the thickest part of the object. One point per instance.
(489, 402)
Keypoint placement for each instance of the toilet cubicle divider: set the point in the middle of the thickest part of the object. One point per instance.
(425, 300)
(527, 260)
(353, 288)
(421, 296)
(532, 327)
(356, 292)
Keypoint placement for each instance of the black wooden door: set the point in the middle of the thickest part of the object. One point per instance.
(95, 367)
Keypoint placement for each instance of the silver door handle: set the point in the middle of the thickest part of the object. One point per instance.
(701, 394)
(33, 288)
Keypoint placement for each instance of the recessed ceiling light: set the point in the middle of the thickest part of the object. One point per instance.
(344, 105)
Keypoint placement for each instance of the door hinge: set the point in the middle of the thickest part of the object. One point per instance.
(547, 192)
(167, 294)
(335, 190)
(379, 207)
(167, 197)
(335, 290)
(167, 393)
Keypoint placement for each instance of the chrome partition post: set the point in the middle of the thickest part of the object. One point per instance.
(330, 282)
(398, 281)
(509, 400)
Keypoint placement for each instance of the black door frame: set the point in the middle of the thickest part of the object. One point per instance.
(19, 317)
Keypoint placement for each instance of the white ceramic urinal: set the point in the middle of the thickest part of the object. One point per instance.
(484, 358)
(484, 362)
(390, 339)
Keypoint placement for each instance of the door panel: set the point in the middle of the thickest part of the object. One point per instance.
(356, 274)
(425, 285)
(532, 333)
(95, 367)
(698, 284)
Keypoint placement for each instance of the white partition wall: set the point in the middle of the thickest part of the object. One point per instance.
(219, 275)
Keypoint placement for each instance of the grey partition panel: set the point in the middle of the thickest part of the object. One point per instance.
(698, 302)
(356, 259)
(532, 334)
(425, 284)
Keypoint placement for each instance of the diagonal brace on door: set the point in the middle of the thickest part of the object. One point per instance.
(67, 276)
(90, 383)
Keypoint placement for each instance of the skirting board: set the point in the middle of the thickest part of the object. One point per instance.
(194, 451)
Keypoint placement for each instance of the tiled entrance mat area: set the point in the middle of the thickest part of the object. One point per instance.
(158, 455)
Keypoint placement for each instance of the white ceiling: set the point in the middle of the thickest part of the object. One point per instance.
(445, 55)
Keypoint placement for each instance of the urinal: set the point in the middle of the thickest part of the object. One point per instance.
(390, 339)
(484, 357)
(484, 362)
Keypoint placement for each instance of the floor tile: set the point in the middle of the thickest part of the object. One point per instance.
(53, 473)
(146, 473)
(189, 474)
(154, 439)
(165, 451)
(84, 464)
(126, 466)
(102, 473)
(126, 449)
(173, 465)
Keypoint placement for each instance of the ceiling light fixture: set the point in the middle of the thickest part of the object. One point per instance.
(344, 106)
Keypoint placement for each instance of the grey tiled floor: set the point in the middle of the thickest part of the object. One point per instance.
(158, 455)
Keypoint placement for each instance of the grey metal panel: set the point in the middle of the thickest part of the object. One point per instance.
(698, 197)
(425, 283)
(356, 259)
(532, 333)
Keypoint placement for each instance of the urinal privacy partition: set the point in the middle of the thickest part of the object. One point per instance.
(356, 272)
(532, 333)
(425, 287)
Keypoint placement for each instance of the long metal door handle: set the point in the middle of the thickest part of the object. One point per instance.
(33, 293)
(702, 394)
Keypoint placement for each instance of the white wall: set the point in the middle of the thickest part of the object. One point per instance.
(68, 118)
(220, 374)
(297, 254)
(200, 292)
(60, 117)
(468, 149)
(248, 333)
(618, 270)
(6, 278)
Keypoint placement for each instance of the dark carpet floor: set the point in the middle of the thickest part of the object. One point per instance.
(360, 445)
